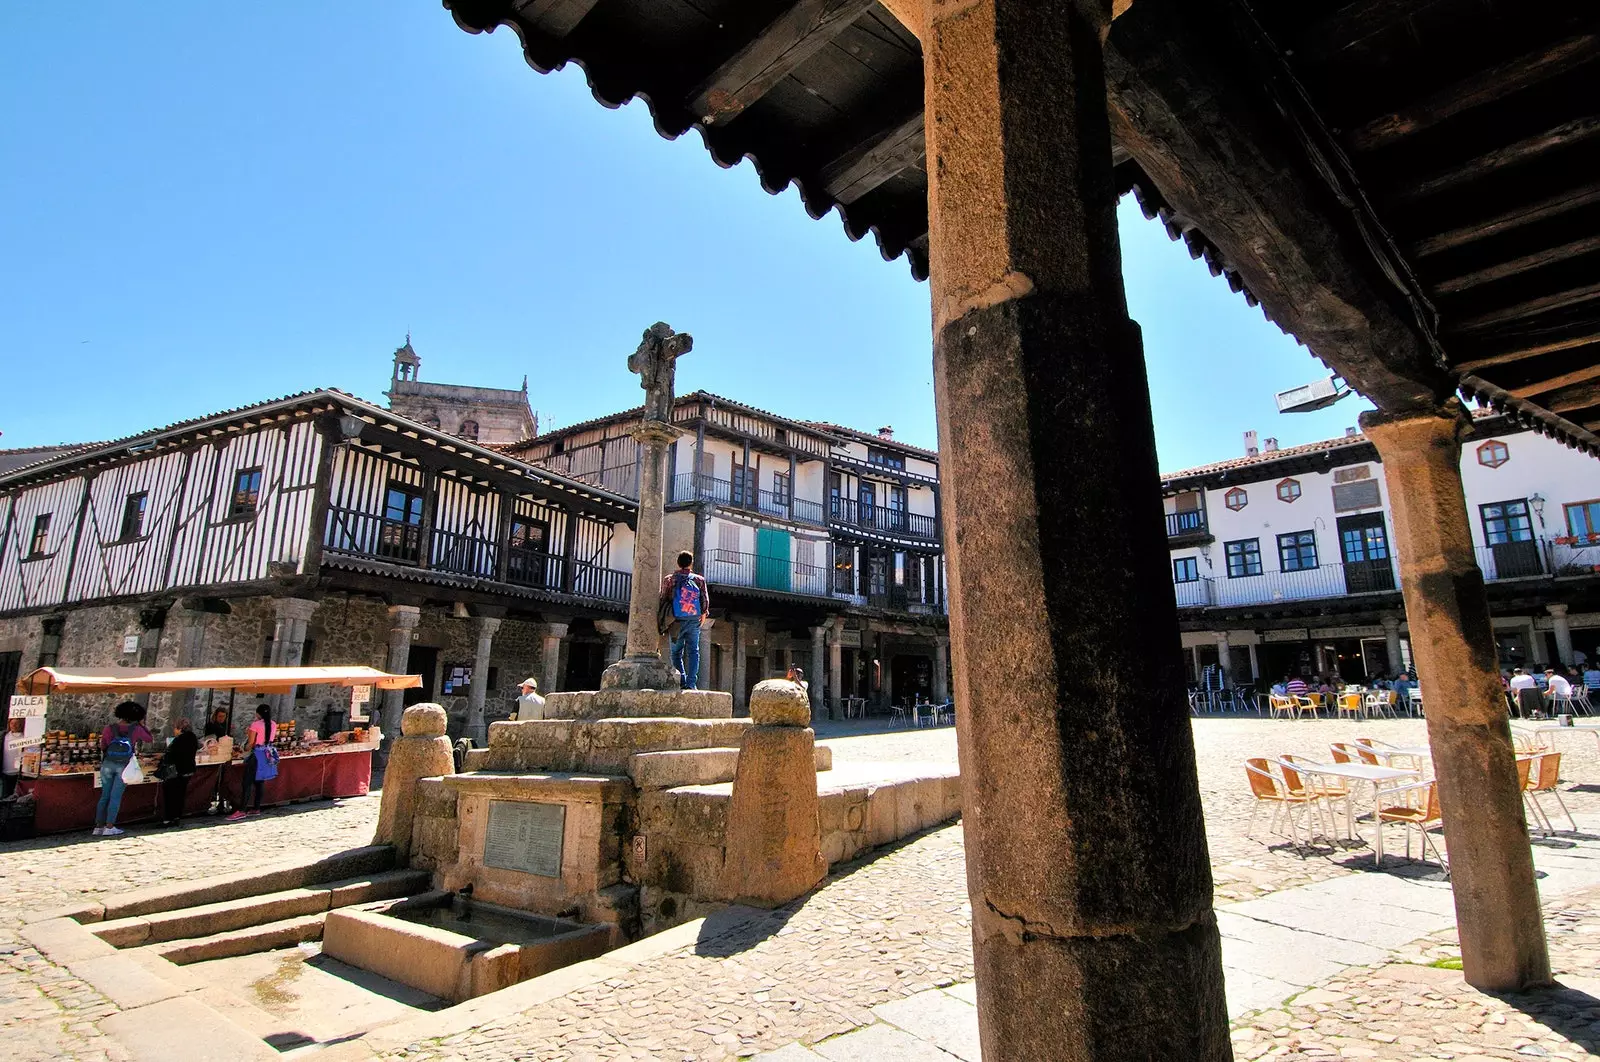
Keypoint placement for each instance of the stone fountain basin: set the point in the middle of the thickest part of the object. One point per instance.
(456, 951)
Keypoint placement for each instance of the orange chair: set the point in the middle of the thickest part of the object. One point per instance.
(1546, 773)
(1344, 753)
(1279, 704)
(1330, 789)
(1350, 704)
(1269, 788)
(1420, 815)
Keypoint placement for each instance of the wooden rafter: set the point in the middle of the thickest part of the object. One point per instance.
(1580, 397)
(1508, 220)
(785, 43)
(1555, 383)
(1502, 270)
(1357, 21)
(874, 160)
(1525, 150)
(1543, 304)
(1483, 87)
(1581, 339)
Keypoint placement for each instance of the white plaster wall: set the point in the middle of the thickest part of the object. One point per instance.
(1537, 465)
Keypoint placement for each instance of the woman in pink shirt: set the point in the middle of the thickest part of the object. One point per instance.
(118, 743)
(262, 731)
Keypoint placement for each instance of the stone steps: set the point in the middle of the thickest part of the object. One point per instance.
(668, 770)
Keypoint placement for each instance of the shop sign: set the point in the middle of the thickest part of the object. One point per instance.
(1298, 634)
(360, 700)
(29, 707)
(850, 639)
(1350, 632)
(130, 643)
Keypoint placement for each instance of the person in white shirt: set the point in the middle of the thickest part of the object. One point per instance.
(1560, 688)
(529, 704)
(1525, 692)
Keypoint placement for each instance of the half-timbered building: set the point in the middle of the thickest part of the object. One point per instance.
(310, 529)
(821, 543)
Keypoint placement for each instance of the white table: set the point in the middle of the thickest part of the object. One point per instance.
(1373, 775)
(1578, 728)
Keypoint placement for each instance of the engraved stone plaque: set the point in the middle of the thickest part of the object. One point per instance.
(525, 836)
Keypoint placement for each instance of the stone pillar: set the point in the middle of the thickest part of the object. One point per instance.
(1452, 641)
(191, 626)
(403, 620)
(1391, 644)
(291, 614)
(836, 667)
(616, 633)
(1225, 658)
(818, 674)
(642, 667)
(738, 679)
(774, 831)
(420, 751)
(885, 674)
(478, 730)
(550, 677)
(705, 651)
(1536, 654)
(1563, 631)
(1255, 663)
(1087, 867)
(941, 668)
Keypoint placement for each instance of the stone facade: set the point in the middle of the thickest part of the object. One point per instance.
(492, 416)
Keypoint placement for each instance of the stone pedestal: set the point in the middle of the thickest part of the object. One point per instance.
(774, 834)
(422, 751)
(635, 704)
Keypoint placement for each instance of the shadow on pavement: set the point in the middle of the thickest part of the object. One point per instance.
(1571, 1012)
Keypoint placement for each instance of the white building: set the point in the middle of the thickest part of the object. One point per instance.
(1282, 559)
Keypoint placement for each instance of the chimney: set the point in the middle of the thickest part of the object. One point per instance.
(1269, 446)
(1349, 433)
(886, 432)
(1250, 447)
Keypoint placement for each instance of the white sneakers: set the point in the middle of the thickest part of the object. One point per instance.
(108, 831)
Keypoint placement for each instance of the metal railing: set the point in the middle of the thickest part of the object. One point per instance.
(852, 513)
(1307, 584)
(731, 568)
(687, 486)
(1192, 522)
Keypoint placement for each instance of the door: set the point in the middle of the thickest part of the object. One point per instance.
(1508, 532)
(423, 661)
(10, 665)
(528, 552)
(585, 662)
(772, 559)
(1364, 545)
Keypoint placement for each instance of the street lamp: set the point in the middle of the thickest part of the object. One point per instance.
(1537, 501)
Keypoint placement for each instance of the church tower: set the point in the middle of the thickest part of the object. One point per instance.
(491, 416)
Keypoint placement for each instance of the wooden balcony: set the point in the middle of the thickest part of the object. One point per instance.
(1187, 528)
(898, 523)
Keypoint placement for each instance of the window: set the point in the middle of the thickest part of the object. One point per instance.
(1236, 499)
(1506, 522)
(246, 492)
(1288, 490)
(835, 495)
(1493, 454)
(41, 536)
(133, 517)
(1297, 551)
(844, 574)
(885, 458)
(1185, 570)
(469, 430)
(897, 508)
(1583, 519)
(780, 488)
(400, 533)
(867, 499)
(1244, 558)
(739, 480)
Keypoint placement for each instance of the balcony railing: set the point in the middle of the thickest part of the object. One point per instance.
(852, 513)
(730, 568)
(1557, 557)
(688, 486)
(1308, 584)
(1184, 524)
(363, 534)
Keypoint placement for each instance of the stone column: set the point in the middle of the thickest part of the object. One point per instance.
(616, 633)
(550, 677)
(1255, 663)
(885, 674)
(403, 620)
(642, 667)
(477, 729)
(1563, 631)
(836, 667)
(818, 674)
(941, 668)
(1225, 657)
(291, 614)
(705, 651)
(1087, 867)
(1452, 642)
(1536, 654)
(1391, 644)
(191, 626)
(738, 679)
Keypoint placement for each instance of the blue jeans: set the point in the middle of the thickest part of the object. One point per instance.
(686, 651)
(111, 787)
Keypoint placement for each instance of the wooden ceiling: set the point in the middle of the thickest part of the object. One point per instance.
(1410, 187)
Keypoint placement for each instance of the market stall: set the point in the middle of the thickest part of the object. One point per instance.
(61, 770)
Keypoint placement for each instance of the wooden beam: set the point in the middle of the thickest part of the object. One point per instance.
(554, 17)
(1533, 351)
(1481, 88)
(785, 43)
(1555, 383)
(1508, 220)
(1564, 135)
(1184, 103)
(1357, 21)
(1501, 270)
(1555, 301)
(1580, 397)
(874, 160)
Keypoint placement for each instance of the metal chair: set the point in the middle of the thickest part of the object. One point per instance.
(1269, 788)
(1545, 774)
(1421, 815)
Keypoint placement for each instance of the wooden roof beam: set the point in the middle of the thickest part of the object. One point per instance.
(1502, 270)
(1555, 383)
(875, 159)
(1558, 300)
(1533, 350)
(1184, 103)
(1357, 21)
(1484, 87)
(1508, 220)
(1564, 135)
(785, 43)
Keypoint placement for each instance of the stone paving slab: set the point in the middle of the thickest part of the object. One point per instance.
(881, 1043)
(939, 1017)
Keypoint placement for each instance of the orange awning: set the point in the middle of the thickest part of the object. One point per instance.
(47, 680)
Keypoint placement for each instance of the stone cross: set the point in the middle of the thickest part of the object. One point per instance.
(655, 361)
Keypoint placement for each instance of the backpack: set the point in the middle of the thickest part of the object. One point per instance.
(121, 748)
(686, 595)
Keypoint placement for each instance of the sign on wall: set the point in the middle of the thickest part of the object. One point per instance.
(1298, 634)
(130, 643)
(360, 702)
(525, 836)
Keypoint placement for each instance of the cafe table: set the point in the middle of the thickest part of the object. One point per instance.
(1379, 778)
(1592, 729)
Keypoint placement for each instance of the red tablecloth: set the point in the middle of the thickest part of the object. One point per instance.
(67, 801)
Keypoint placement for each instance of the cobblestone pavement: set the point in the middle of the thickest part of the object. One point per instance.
(874, 933)
(45, 1012)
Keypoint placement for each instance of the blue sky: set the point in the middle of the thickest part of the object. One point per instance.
(212, 204)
